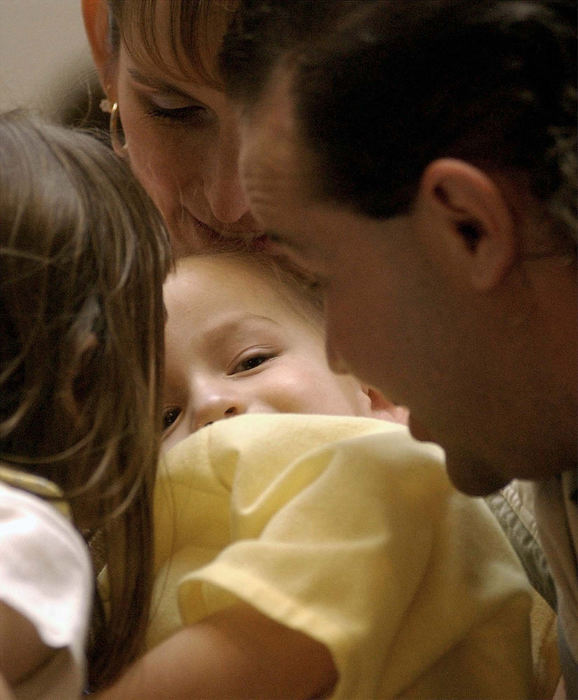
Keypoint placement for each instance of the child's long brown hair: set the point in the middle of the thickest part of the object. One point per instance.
(83, 255)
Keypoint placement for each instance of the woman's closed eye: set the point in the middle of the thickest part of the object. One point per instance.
(175, 108)
(170, 416)
(190, 114)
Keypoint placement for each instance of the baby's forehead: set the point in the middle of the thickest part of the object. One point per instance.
(247, 275)
(207, 278)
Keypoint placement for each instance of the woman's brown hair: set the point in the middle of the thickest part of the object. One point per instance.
(83, 255)
(192, 35)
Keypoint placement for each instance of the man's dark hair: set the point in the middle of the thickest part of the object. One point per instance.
(398, 84)
(265, 32)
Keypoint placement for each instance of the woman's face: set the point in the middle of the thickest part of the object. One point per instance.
(182, 136)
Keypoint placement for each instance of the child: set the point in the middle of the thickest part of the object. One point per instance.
(245, 335)
(309, 555)
(82, 259)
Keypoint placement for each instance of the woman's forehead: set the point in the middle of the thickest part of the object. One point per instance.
(180, 38)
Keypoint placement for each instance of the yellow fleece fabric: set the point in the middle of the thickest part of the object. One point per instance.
(348, 530)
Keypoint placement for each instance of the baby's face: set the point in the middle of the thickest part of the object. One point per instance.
(235, 345)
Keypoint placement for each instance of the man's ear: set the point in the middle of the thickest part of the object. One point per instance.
(96, 24)
(472, 215)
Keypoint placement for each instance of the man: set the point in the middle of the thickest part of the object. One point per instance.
(419, 159)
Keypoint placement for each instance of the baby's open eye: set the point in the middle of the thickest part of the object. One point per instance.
(251, 362)
(170, 415)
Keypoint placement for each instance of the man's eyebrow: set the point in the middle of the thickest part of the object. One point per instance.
(156, 83)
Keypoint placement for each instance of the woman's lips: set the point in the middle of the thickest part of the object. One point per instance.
(230, 237)
(205, 229)
(194, 236)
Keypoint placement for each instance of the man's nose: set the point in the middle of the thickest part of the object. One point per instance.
(334, 360)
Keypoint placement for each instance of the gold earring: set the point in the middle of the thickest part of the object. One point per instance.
(117, 138)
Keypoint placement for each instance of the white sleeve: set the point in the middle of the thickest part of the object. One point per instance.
(45, 571)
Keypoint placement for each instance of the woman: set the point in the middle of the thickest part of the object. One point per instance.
(157, 64)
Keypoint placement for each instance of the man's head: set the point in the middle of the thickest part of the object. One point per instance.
(422, 165)
(382, 88)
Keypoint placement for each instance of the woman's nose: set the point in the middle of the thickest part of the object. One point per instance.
(222, 184)
(214, 408)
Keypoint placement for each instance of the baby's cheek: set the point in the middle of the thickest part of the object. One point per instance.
(398, 414)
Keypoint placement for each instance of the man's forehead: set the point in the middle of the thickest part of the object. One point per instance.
(272, 156)
(272, 115)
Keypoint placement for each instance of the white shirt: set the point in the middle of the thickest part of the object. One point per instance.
(45, 575)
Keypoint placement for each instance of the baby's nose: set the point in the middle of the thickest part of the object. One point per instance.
(215, 409)
(228, 413)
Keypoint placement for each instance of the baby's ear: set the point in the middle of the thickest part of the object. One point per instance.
(383, 408)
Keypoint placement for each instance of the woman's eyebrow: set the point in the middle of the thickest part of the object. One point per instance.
(156, 83)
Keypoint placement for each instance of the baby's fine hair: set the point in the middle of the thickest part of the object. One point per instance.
(294, 285)
(83, 255)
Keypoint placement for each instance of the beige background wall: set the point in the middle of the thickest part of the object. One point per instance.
(43, 52)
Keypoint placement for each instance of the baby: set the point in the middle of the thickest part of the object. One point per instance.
(302, 555)
(245, 335)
